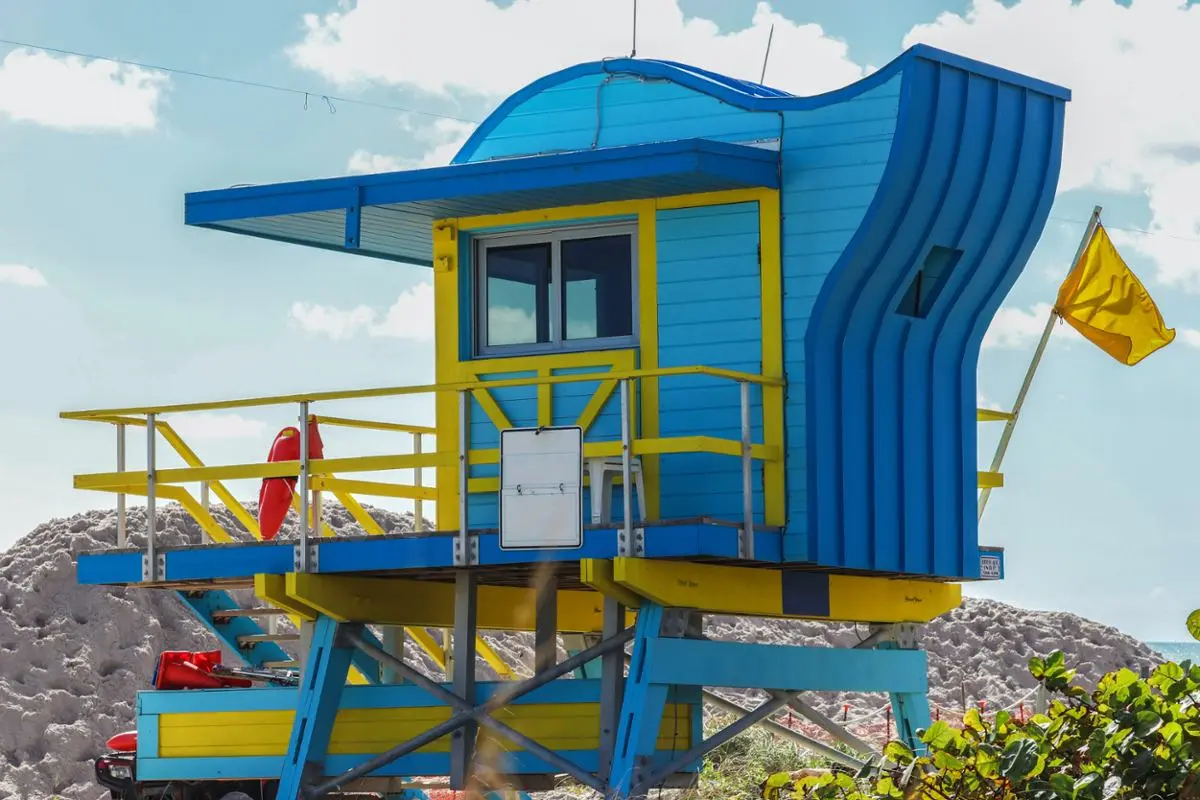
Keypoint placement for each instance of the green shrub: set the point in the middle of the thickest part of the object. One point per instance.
(1130, 738)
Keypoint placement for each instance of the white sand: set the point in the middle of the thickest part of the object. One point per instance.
(72, 657)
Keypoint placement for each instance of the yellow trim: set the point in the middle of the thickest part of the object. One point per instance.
(991, 415)
(369, 731)
(374, 488)
(649, 423)
(545, 399)
(372, 425)
(594, 406)
(490, 407)
(426, 642)
(991, 480)
(720, 589)
(771, 271)
(598, 574)
(425, 604)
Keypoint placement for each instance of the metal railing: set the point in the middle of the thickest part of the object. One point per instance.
(317, 475)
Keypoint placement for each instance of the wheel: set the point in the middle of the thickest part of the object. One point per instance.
(236, 796)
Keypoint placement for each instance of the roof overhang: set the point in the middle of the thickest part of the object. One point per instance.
(390, 215)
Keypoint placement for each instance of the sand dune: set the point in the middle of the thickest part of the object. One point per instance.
(72, 657)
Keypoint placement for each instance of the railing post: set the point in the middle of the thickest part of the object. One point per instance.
(150, 571)
(626, 546)
(465, 551)
(746, 540)
(303, 560)
(418, 505)
(122, 534)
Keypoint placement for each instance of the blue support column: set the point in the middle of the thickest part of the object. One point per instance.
(322, 682)
(642, 707)
(911, 711)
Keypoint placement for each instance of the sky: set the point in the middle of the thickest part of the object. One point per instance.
(107, 299)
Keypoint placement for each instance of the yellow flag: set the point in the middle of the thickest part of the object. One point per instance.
(1104, 301)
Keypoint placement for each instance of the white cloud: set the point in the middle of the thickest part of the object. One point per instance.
(207, 426)
(389, 42)
(439, 142)
(1016, 327)
(409, 317)
(21, 275)
(1134, 122)
(75, 94)
(1190, 337)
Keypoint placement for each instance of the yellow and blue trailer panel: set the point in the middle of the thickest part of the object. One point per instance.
(244, 733)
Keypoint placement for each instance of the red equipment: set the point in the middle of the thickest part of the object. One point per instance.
(123, 742)
(275, 494)
(179, 669)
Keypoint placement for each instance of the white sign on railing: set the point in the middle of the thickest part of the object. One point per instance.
(541, 488)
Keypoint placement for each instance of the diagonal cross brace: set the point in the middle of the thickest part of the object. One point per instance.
(468, 713)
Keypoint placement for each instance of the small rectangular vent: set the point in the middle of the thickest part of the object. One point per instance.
(929, 281)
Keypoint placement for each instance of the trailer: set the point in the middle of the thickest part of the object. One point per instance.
(702, 347)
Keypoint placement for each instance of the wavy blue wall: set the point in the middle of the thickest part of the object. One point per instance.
(892, 397)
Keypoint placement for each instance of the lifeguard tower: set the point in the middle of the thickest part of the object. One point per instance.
(702, 347)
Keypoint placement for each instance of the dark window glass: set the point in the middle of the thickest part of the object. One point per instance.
(597, 287)
(518, 294)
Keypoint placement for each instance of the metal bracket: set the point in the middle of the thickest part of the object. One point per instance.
(905, 635)
(636, 546)
(467, 554)
(156, 570)
(314, 563)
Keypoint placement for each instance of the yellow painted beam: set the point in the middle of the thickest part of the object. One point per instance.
(598, 574)
(426, 642)
(278, 469)
(771, 593)
(491, 408)
(374, 488)
(991, 415)
(412, 603)
(273, 590)
(365, 520)
(372, 425)
(594, 406)
(991, 480)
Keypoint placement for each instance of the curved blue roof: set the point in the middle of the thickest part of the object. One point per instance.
(745, 94)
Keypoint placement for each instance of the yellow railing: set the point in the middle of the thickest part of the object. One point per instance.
(322, 475)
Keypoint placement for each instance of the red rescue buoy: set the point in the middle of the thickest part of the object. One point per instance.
(123, 742)
(275, 494)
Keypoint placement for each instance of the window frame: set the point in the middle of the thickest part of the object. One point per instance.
(554, 237)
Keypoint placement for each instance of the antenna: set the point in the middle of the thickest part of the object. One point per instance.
(767, 55)
(633, 53)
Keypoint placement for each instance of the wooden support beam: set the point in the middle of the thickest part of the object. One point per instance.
(771, 593)
(411, 603)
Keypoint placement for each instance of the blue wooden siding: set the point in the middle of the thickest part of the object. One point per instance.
(614, 109)
(833, 160)
(709, 313)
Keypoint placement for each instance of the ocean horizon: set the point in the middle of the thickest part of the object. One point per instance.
(1178, 651)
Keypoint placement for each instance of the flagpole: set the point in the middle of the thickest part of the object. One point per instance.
(1011, 423)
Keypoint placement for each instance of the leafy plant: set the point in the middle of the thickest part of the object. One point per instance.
(1130, 738)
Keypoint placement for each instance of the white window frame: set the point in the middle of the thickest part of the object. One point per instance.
(554, 237)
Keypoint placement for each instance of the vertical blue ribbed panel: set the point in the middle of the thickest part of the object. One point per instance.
(710, 313)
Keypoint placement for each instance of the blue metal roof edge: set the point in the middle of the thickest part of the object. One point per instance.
(204, 208)
(744, 94)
